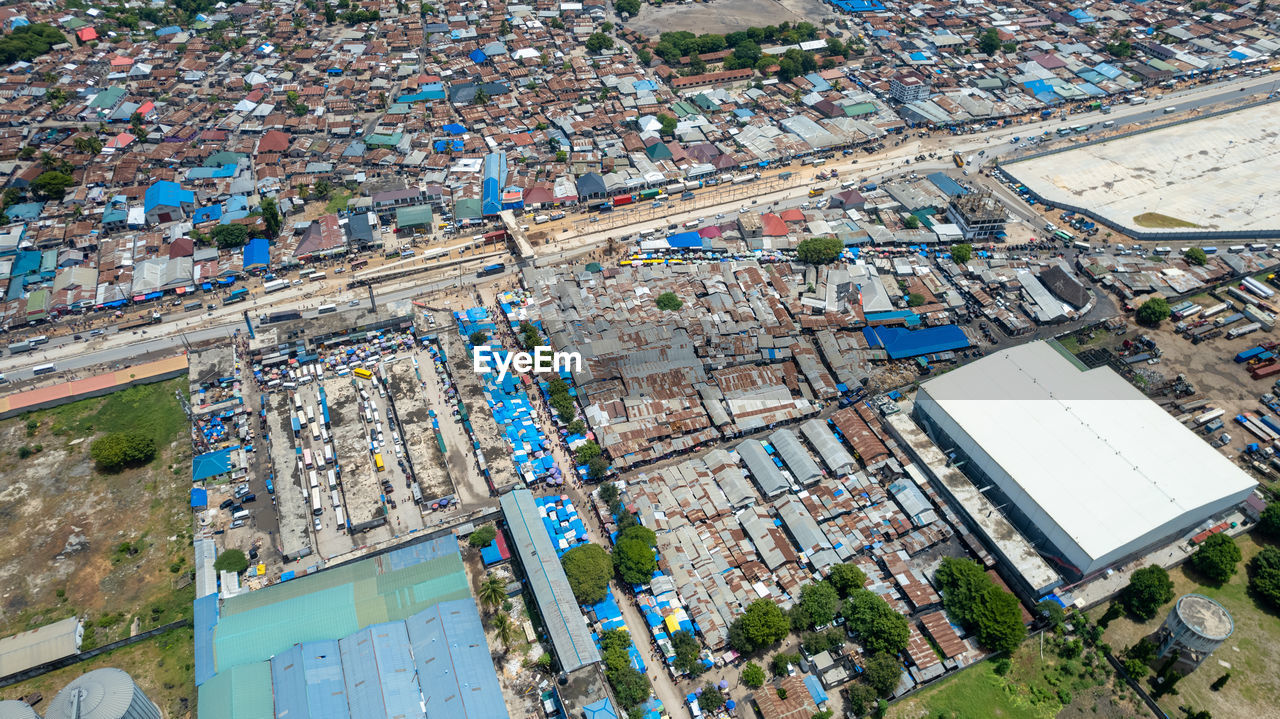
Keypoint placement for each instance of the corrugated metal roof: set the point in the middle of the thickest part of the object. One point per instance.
(307, 681)
(763, 470)
(42, 644)
(453, 662)
(796, 456)
(379, 674)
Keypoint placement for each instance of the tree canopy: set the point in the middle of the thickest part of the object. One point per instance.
(118, 450)
(668, 301)
(482, 536)
(845, 578)
(227, 236)
(753, 675)
(1269, 523)
(633, 555)
(52, 184)
(271, 217)
(1264, 576)
(980, 605)
(1148, 589)
(877, 625)
(819, 250)
(687, 650)
(1195, 256)
(598, 42)
(817, 606)
(630, 686)
(1216, 558)
(27, 42)
(989, 41)
(961, 253)
(231, 560)
(630, 7)
(1153, 311)
(762, 625)
(883, 673)
(588, 568)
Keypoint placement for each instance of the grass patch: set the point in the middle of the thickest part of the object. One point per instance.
(337, 201)
(1253, 649)
(151, 409)
(163, 666)
(1155, 219)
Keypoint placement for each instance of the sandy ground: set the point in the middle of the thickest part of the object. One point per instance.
(726, 16)
(1213, 173)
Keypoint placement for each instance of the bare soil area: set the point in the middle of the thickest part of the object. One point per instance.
(726, 16)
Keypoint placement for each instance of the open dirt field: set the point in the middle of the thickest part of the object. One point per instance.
(726, 16)
(161, 665)
(1211, 173)
(114, 548)
(1250, 654)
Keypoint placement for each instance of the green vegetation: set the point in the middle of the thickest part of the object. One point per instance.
(1269, 523)
(753, 675)
(711, 699)
(989, 41)
(668, 301)
(483, 536)
(633, 556)
(1216, 558)
(915, 299)
(27, 42)
(819, 250)
(814, 642)
(338, 201)
(52, 184)
(119, 450)
(588, 568)
(1195, 256)
(845, 578)
(961, 253)
(562, 402)
(271, 217)
(761, 626)
(980, 605)
(878, 626)
(231, 560)
(229, 236)
(1264, 577)
(687, 650)
(599, 42)
(630, 7)
(1153, 312)
(817, 606)
(882, 673)
(1149, 588)
(587, 451)
(631, 687)
(1157, 220)
(529, 335)
(478, 338)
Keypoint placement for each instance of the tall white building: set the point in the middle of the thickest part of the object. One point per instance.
(1089, 468)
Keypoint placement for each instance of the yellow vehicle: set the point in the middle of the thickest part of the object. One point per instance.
(817, 191)
(955, 157)
(362, 372)
(377, 461)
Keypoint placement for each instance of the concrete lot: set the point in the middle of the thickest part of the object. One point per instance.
(291, 501)
(1213, 173)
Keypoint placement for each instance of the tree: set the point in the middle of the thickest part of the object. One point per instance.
(118, 450)
(1051, 612)
(630, 7)
(989, 41)
(753, 675)
(819, 250)
(1216, 558)
(504, 630)
(630, 686)
(858, 697)
(911, 223)
(644, 56)
(599, 42)
(27, 42)
(1264, 576)
(597, 467)
(587, 451)
(687, 651)
(762, 625)
(478, 338)
(711, 699)
(878, 626)
(231, 560)
(1153, 312)
(1148, 589)
(493, 592)
(90, 144)
(1136, 668)
(226, 236)
(1119, 49)
(1269, 523)
(271, 217)
(634, 561)
(588, 568)
(52, 184)
(962, 253)
(915, 299)
(883, 673)
(481, 98)
(845, 578)
(980, 605)
(668, 301)
(668, 124)
(330, 15)
(817, 606)
(483, 536)
(1195, 256)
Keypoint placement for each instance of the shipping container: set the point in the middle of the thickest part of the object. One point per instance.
(1209, 416)
(1246, 355)
(1216, 309)
(1265, 371)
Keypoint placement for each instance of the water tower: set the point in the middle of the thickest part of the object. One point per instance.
(102, 694)
(14, 709)
(1195, 627)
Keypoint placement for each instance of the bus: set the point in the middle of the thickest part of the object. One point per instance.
(326, 309)
(302, 419)
(311, 413)
(377, 461)
(488, 270)
(955, 157)
(1082, 246)
(1064, 235)
(333, 480)
(239, 295)
(315, 480)
(316, 508)
(38, 340)
(274, 286)
(337, 501)
(328, 454)
(317, 277)
(43, 369)
(1081, 129)
(304, 274)
(319, 460)
(1163, 250)
(362, 372)
(306, 459)
(297, 403)
(357, 264)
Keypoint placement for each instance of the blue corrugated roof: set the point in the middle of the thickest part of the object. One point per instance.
(815, 689)
(379, 672)
(205, 618)
(210, 464)
(166, 193)
(478, 56)
(257, 253)
(199, 497)
(949, 187)
(307, 681)
(899, 342)
(452, 658)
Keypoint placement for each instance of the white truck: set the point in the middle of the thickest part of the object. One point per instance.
(539, 219)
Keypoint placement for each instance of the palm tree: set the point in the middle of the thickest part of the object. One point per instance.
(492, 592)
(504, 630)
(47, 160)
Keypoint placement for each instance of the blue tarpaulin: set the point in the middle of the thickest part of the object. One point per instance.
(478, 56)
(454, 128)
(899, 342)
(685, 239)
(199, 498)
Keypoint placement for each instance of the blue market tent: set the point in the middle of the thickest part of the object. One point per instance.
(454, 128)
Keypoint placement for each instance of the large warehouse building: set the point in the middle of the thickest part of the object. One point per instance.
(1089, 468)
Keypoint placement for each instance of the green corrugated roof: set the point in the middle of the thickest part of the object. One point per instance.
(1161, 65)
(467, 208)
(239, 693)
(860, 109)
(330, 605)
(413, 216)
(108, 98)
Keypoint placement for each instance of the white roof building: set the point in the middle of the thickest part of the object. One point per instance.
(1093, 470)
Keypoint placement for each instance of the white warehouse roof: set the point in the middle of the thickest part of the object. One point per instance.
(1092, 463)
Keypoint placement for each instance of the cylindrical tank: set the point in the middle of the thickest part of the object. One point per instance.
(14, 709)
(1198, 624)
(102, 694)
